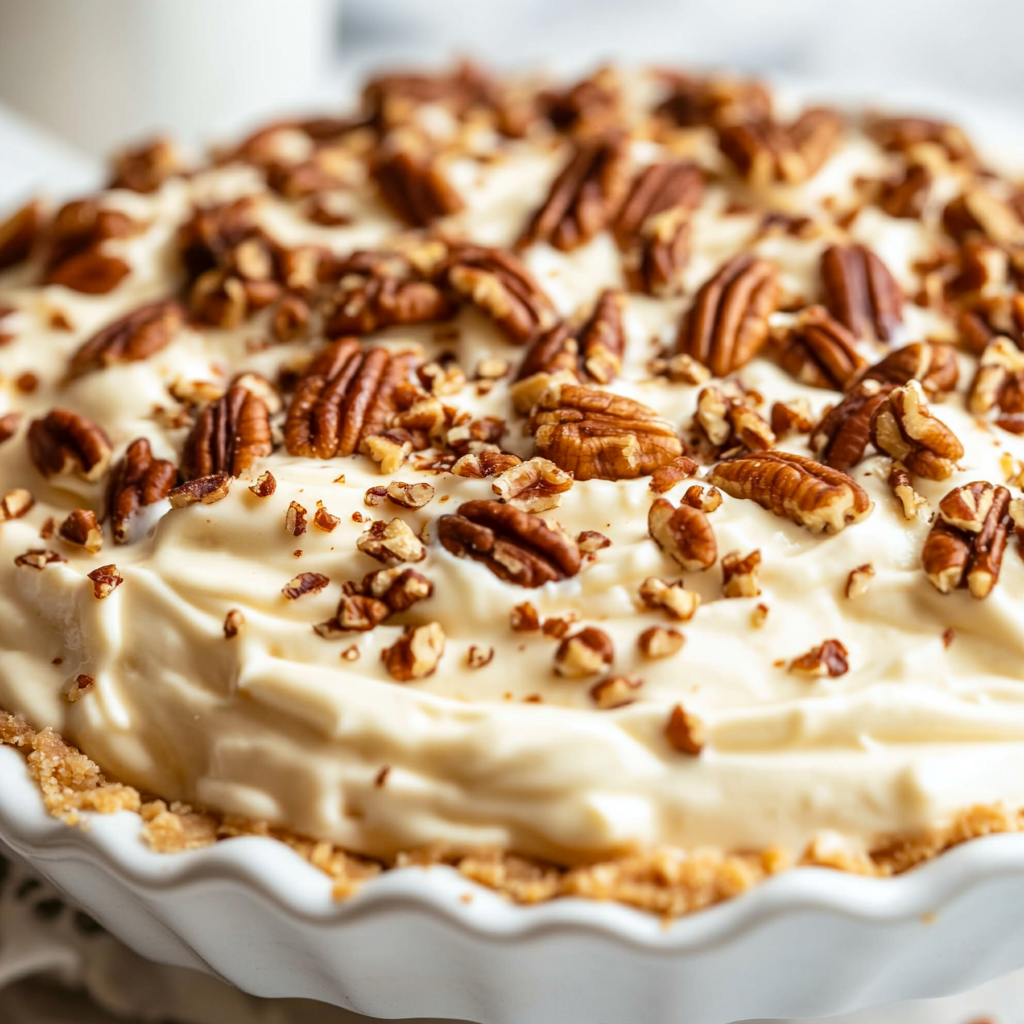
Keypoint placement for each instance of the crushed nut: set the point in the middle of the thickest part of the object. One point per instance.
(234, 623)
(203, 489)
(664, 478)
(304, 583)
(82, 529)
(828, 659)
(416, 654)
(536, 485)
(680, 603)
(524, 618)
(323, 520)
(391, 542)
(685, 534)
(478, 657)
(658, 642)
(615, 692)
(859, 580)
(105, 580)
(586, 653)
(684, 732)
(741, 577)
(910, 501)
(39, 558)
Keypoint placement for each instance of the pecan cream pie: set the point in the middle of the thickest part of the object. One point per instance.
(610, 488)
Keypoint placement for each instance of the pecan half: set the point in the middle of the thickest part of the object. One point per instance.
(841, 437)
(536, 485)
(860, 292)
(412, 183)
(498, 283)
(592, 433)
(999, 381)
(728, 322)
(66, 442)
(304, 583)
(137, 480)
(966, 544)
(807, 493)
(685, 534)
(228, 437)
(585, 196)
(132, 337)
(653, 226)
(377, 290)
(984, 320)
(820, 351)
(674, 598)
(416, 654)
(765, 151)
(346, 395)
(903, 426)
(18, 233)
(82, 528)
(203, 490)
(72, 247)
(516, 546)
(146, 167)
(932, 363)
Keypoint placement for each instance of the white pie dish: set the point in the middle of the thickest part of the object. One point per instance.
(810, 942)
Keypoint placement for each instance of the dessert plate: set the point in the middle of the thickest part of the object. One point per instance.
(426, 942)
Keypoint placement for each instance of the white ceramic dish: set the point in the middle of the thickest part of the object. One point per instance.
(808, 943)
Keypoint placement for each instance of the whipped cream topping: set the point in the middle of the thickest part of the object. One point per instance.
(276, 724)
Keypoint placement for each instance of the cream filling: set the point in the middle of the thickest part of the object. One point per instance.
(276, 725)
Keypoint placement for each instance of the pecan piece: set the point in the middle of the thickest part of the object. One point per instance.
(903, 426)
(105, 580)
(741, 576)
(685, 534)
(827, 659)
(615, 691)
(146, 167)
(807, 493)
(586, 653)
(695, 101)
(203, 490)
(585, 196)
(903, 490)
(398, 588)
(684, 732)
(903, 134)
(999, 381)
(377, 290)
(653, 226)
(977, 212)
(765, 151)
(592, 433)
(966, 544)
(860, 292)
(905, 196)
(931, 363)
(841, 437)
(820, 351)
(15, 504)
(72, 247)
(137, 480)
(499, 284)
(18, 233)
(727, 418)
(590, 105)
(82, 529)
(346, 396)
(132, 337)
(228, 437)
(66, 442)
(416, 654)
(391, 542)
(411, 181)
(674, 598)
(728, 322)
(517, 546)
(533, 486)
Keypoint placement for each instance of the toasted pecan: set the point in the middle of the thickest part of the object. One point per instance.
(132, 337)
(932, 363)
(685, 534)
(820, 351)
(64, 441)
(229, 435)
(904, 427)
(841, 437)
(412, 182)
(860, 291)
(136, 481)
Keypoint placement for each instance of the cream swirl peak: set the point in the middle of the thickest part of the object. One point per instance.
(561, 470)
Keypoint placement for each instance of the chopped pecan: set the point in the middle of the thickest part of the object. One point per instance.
(860, 292)
(696, 101)
(590, 542)
(499, 284)
(615, 692)
(828, 659)
(727, 418)
(15, 504)
(585, 196)
(228, 437)
(741, 576)
(820, 351)
(707, 499)
(132, 337)
(658, 642)
(478, 657)
(203, 490)
(977, 212)
(82, 529)
(524, 618)
(295, 519)
(291, 318)
(653, 226)
(533, 486)
(234, 623)
(966, 544)
(409, 495)
(416, 654)
(905, 196)
(1001, 315)
(684, 732)
(411, 181)
(9, 423)
(18, 233)
(146, 167)
(809, 494)
(841, 437)
(793, 416)
(66, 442)
(265, 485)
(397, 587)
(592, 433)
(304, 583)
(999, 381)
(346, 395)
(903, 490)
(931, 363)
(72, 247)
(664, 478)
(585, 653)
(685, 534)
(903, 134)
(323, 520)
(517, 546)
(391, 542)
(590, 105)
(766, 151)
(904, 427)
(105, 580)
(488, 463)
(39, 558)
(728, 322)
(674, 598)
(358, 612)
(859, 580)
